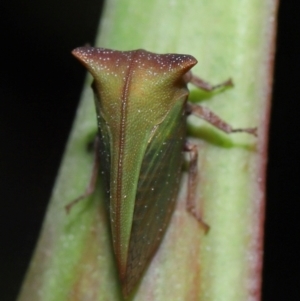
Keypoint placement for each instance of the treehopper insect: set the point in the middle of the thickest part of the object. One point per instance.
(141, 102)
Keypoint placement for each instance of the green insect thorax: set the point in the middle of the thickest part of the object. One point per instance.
(140, 100)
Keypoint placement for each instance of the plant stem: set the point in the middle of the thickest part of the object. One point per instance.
(74, 259)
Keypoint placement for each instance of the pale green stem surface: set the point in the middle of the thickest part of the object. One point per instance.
(73, 259)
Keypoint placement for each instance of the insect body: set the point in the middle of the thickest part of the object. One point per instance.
(141, 103)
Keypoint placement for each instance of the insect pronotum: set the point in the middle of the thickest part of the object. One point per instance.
(141, 102)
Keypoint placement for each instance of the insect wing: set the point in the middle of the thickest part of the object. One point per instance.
(156, 194)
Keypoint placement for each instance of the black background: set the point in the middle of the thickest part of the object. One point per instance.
(39, 89)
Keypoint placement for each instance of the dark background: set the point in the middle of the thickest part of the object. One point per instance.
(39, 89)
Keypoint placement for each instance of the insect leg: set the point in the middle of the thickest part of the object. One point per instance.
(192, 183)
(204, 85)
(215, 120)
(93, 179)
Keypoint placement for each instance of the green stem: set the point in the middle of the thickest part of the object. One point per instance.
(74, 260)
